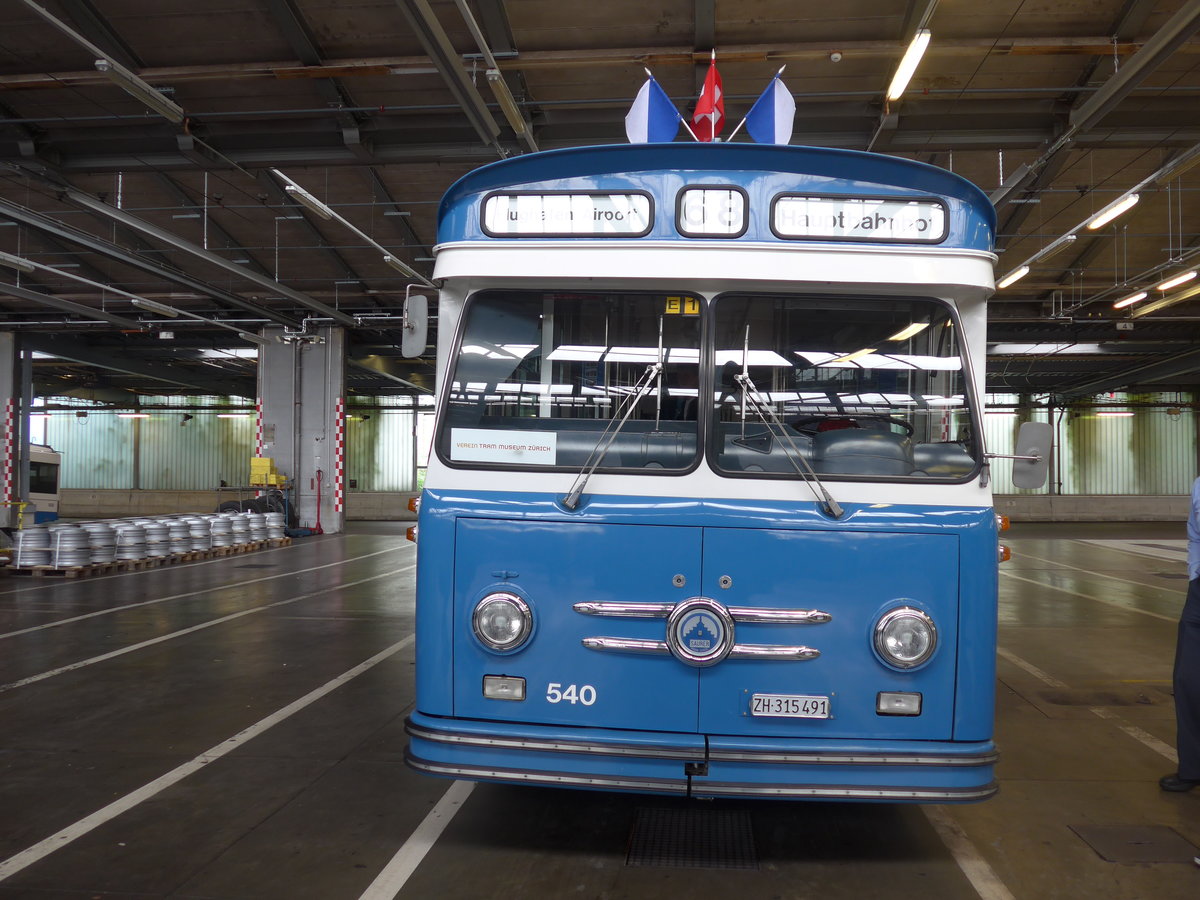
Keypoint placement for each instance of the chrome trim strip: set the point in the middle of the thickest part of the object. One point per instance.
(704, 789)
(683, 754)
(779, 616)
(851, 759)
(687, 754)
(632, 610)
(626, 645)
(648, 786)
(699, 786)
(772, 651)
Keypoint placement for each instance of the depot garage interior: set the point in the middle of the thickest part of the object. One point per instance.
(382, 377)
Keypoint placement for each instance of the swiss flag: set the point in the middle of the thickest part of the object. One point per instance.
(709, 117)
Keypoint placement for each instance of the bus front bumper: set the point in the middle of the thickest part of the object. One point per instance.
(702, 766)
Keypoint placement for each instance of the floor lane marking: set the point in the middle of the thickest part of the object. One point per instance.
(60, 839)
(1094, 599)
(223, 587)
(1029, 667)
(1144, 549)
(1162, 748)
(392, 877)
(970, 861)
(1140, 735)
(32, 679)
(1063, 565)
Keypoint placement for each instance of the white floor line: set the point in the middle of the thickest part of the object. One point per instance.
(1094, 599)
(1162, 748)
(32, 679)
(1029, 667)
(44, 848)
(392, 878)
(983, 877)
(1062, 565)
(1176, 554)
(1143, 737)
(222, 587)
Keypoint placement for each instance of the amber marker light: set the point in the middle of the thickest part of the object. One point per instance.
(1005, 553)
(411, 533)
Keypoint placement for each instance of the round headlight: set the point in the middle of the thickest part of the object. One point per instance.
(502, 621)
(905, 637)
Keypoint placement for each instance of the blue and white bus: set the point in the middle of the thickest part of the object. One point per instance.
(707, 511)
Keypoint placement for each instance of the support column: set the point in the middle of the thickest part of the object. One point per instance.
(301, 390)
(14, 434)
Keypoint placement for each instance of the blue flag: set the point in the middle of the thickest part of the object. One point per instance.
(653, 118)
(771, 118)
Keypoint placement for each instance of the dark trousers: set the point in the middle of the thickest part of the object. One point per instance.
(1187, 685)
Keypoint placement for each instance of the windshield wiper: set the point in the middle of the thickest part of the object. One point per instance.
(763, 410)
(652, 373)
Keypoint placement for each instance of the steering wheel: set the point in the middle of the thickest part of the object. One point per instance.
(811, 424)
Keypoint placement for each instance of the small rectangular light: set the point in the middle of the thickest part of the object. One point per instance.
(893, 703)
(503, 687)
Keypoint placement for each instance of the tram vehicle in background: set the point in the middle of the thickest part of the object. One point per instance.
(708, 511)
(44, 465)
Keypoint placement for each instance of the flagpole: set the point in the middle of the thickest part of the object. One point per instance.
(745, 117)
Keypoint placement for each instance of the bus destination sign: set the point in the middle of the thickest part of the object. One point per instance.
(859, 219)
(560, 214)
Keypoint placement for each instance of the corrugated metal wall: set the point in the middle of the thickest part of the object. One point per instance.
(99, 451)
(1152, 451)
(379, 445)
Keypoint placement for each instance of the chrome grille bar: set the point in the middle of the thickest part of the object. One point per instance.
(772, 651)
(628, 610)
(779, 616)
(626, 645)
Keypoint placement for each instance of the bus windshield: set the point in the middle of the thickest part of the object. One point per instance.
(541, 375)
(860, 387)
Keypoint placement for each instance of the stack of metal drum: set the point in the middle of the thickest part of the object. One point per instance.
(66, 545)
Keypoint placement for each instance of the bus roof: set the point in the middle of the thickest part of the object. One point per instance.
(814, 170)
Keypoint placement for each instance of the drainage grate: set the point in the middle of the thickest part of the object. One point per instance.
(692, 838)
(1137, 843)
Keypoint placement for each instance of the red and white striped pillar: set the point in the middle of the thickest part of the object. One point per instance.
(339, 455)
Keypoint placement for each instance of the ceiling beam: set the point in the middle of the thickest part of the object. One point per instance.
(116, 360)
(78, 309)
(87, 201)
(120, 254)
(1186, 363)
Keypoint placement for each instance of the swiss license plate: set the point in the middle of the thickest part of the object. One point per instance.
(791, 706)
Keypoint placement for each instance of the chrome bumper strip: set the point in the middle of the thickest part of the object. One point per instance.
(466, 739)
(700, 787)
(696, 754)
(628, 610)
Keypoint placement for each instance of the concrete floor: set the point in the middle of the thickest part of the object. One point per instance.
(233, 729)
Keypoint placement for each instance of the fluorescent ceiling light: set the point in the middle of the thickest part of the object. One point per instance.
(233, 415)
(1130, 300)
(908, 64)
(1176, 280)
(153, 306)
(133, 415)
(15, 262)
(141, 90)
(1053, 247)
(1113, 414)
(298, 193)
(1110, 212)
(905, 333)
(401, 267)
(253, 338)
(1012, 277)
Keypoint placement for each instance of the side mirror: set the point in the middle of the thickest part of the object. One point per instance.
(1031, 462)
(416, 325)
